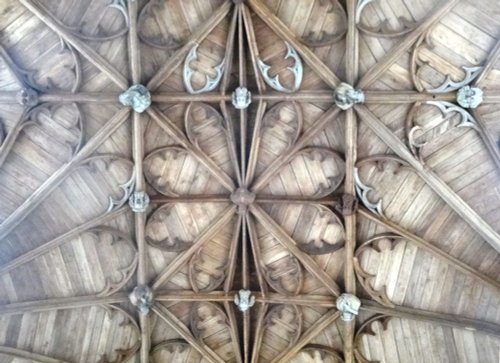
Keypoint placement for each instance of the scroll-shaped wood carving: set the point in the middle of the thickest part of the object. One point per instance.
(210, 324)
(384, 29)
(206, 130)
(315, 353)
(372, 327)
(425, 126)
(150, 28)
(383, 245)
(297, 70)
(210, 82)
(285, 322)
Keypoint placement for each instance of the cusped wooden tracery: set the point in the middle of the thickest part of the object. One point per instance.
(295, 188)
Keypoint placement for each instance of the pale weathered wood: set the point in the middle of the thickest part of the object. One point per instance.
(179, 262)
(134, 50)
(8, 143)
(253, 48)
(454, 321)
(395, 53)
(79, 97)
(304, 300)
(399, 97)
(61, 304)
(60, 175)
(287, 242)
(308, 55)
(197, 37)
(487, 137)
(32, 357)
(324, 322)
(91, 55)
(181, 329)
(182, 140)
(443, 190)
(432, 248)
(176, 97)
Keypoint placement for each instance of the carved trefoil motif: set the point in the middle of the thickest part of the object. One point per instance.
(297, 69)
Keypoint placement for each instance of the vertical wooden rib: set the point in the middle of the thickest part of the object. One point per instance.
(253, 48)
(351, 136)
(255, 146)
(138, 156)
(61, 174)
(242, 76)
(404, 44)
(437, 184)
(91, 55)
(228, 58)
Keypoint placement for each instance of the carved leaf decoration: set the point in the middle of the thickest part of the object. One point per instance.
(175, 350)
(205, 129)
(173, 172)
(150, 27)
(315, 353)
(285, 322)
(313, 172)
(210, 324)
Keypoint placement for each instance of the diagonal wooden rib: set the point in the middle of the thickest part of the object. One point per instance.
(422, 243)
(454, 321)
(173, 62)
(182, 259)
(168, 126)
(488, 65)
(284, 32)
(255, 145)
(228, 57)
(58, 241)
(91, 55)
(487, 137)
(287, 156)
(252, 46)
(183, 331)
(11, 66)
(287, 242)
(259, 333)
(311, 333)
(29, 356)
(231, 142)
(402, 47)
(257, 256)
(60, 175)
(63, 303)
(440, 187)
(11, 138)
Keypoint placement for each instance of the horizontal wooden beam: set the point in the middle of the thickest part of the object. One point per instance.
(398, 97)
(432, 180)
(63, 303)
(62, 173)
(431, 248)
(180, 97)
(454, 321)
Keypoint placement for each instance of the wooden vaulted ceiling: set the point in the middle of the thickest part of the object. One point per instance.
(394, 200)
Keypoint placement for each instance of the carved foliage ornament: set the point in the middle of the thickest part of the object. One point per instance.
(242, 98)
(346, 96)
(297, 69)
(142, 297)
(244, 300)
(137, 97)
(348, 305)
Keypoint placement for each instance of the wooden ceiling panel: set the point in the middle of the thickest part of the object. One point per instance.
(61, 334)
